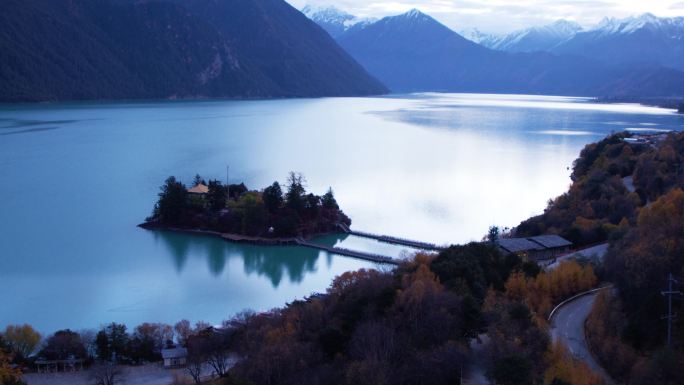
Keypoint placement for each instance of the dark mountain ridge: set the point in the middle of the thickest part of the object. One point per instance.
(106, 49)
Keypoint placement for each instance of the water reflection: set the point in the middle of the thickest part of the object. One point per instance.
(437, 168)
(273, 262)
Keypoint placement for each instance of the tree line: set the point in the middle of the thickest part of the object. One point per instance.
(272, 212)
(414, 325)
(21, 346)
(598, 206)
(411, 325)
(626, 328)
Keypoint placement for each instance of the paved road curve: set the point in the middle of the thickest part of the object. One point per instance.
(568, 327)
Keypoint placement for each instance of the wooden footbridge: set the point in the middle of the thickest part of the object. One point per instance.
(365, 255)
(394, 240)
(349, 253)
(370, 256)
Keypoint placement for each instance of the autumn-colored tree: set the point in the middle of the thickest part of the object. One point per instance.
(640, 264)
(562, 366)
(8, 374)
(22, 339)
(549, 288)
(604, 327)
(599, 199)
(518, 342)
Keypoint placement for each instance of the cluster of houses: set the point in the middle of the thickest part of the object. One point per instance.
(539, 249)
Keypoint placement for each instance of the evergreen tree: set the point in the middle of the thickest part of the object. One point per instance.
(273, 197)
(172, 201)
(295, 192)
(198, 180)
(329, 201)
(217, 195)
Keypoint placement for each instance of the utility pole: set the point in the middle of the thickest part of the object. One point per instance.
(669, 315)
(227, 175)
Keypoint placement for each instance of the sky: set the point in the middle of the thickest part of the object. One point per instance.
(496, 16)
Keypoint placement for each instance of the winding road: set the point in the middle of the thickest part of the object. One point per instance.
(567, 326)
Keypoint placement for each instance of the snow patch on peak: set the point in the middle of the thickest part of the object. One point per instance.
(477, 36)
(334, 20)
(327, 14)
(564, 26)
(609, 26)
(542, 38)
(414, 14)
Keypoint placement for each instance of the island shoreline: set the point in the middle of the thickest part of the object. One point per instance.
(275, 242)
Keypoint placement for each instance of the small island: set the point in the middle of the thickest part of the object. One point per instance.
(268, 216)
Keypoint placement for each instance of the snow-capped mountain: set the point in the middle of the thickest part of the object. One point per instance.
(335, 21)
(534, 39)
(479, 37)
(643, 40)
(612, 26)
(414, 52)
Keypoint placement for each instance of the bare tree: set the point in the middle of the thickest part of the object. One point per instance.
(210, 347)
(183, 331)
(194, 367)
(88, 339)
(106, 374)
(219, 359)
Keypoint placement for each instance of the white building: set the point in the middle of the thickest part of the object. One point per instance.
(174, 357)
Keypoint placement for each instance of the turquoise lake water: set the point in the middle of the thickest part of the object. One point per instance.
(77, 178)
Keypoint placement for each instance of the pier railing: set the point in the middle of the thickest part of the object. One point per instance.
(394, 240)
(349, 253)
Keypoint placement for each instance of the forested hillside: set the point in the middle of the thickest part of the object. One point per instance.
(415, 325)
(599, 204)
(645, 228)
(114, 49)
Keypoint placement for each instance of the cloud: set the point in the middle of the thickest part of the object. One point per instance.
(500, 16)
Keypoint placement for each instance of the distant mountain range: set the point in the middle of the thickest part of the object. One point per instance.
(414, 52)
(534, 39)
(642, 40)
(115, 49)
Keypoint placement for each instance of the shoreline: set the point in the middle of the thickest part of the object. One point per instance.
(230, 237)
(261, 241)
(668, 103)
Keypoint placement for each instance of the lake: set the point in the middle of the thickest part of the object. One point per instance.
(78, 177)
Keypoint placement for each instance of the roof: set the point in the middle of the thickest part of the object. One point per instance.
(199, 189)
(176, 352)
(551, 241)
(515, 245)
